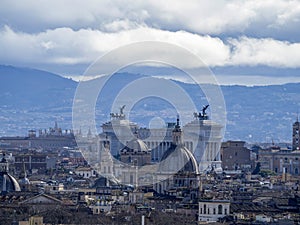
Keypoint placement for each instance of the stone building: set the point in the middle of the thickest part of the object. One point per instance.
(136, 152)
(34, 162)
(235, 156)
(48, 139)
(202, 137)
(296, 140)
(280, 160)
(213, 210)
(178, 172)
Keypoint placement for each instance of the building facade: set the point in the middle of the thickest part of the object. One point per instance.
(202, 137)
(48, 139)
(296, 140)
(33, 162)
(235, 156)
(280, 161)
(213, 210)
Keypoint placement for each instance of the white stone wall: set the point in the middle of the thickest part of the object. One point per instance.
(210, 211)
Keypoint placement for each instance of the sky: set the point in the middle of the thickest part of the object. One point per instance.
(251, 42)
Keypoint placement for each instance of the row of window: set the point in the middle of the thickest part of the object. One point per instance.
(219, 210)
(296, 170)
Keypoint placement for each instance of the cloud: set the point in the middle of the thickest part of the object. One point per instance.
(65, 46)
(222, 17)
(267, 51)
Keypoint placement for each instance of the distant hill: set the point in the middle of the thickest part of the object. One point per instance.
(31, 98)
(26, 87)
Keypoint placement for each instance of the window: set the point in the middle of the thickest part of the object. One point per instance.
(214, 211)
(220, 209)
(204, 209)
(225, 211)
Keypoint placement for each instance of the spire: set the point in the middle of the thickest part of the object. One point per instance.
(89, 133)
(106, 143)
(136, 134)
(24, 170)
(177, 122)
(3, 157)
(177, 133)
(3, 164)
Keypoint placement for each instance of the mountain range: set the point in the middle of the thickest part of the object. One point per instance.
(35, 99)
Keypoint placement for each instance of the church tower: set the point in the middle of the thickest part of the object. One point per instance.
(296, 129)
(177, 134)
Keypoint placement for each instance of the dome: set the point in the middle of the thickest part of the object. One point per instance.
(135, 145)
(178, 158)
(106, 182)
(8, 183)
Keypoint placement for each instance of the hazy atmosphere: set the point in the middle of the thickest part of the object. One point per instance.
(149, 112)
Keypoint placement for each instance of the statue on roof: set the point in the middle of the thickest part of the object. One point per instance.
(203, 115)
(122, 110)
(120, 115)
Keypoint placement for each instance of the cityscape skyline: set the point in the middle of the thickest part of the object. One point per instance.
(149, 112)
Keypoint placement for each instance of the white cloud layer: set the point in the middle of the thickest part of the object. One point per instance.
(218, 17)
(70, 47)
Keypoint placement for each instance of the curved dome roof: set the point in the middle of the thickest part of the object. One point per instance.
(8, 183)
(178, 158)
(106, 181)
(135, 145)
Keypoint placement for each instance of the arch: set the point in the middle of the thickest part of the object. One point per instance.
(220, 209)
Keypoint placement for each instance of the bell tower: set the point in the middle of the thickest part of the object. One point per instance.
(177, 134)
(296, 140)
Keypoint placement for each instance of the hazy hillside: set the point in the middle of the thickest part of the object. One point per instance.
(32, 98)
